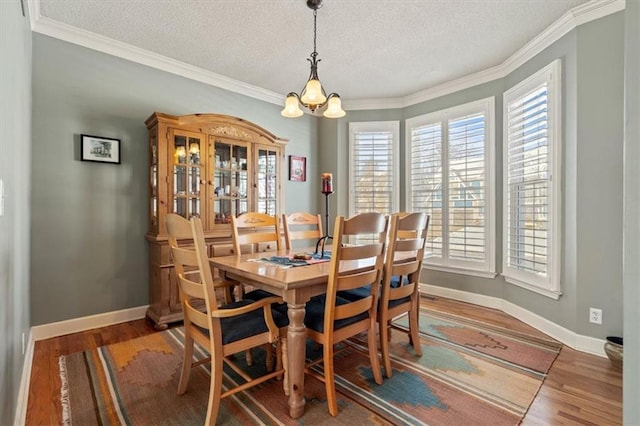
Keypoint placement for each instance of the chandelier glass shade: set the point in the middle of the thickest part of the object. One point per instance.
(313, 96)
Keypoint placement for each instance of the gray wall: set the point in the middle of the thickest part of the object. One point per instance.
(89, 254)
(592, 66)
(631, 224)
(600, 169)
(15, 152)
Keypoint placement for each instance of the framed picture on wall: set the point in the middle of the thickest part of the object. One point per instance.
(297, 168)
(100, 149)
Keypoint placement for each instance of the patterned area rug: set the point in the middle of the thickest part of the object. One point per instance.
(470, 373)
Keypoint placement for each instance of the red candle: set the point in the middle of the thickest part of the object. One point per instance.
(327, 183)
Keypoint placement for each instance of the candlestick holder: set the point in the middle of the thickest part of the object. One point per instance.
(321, 242)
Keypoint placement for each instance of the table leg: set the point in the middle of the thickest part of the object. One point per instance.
(296, 348)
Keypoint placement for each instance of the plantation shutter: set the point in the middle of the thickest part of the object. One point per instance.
(466, 166)
(426, 181)
(373, 180)
(373, 169)
(528, 182)
(450, 174)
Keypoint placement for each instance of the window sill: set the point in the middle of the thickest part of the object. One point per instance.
(463, 271)
(543, 291)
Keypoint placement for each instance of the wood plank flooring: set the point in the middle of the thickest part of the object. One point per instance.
(580, 389)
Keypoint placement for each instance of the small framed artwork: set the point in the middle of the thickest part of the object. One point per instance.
(100, 149)
(297, 168)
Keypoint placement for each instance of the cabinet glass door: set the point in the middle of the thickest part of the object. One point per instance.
(153, 180)
(230, 180)
(267, 181)
(187, 173)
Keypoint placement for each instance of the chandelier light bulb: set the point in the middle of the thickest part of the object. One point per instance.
(334, 109)
(312, 94)
(291, 108)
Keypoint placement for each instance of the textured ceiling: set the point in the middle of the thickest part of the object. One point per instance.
(368, 49)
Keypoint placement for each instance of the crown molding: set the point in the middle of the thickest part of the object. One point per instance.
(116, 48)
(587, 12)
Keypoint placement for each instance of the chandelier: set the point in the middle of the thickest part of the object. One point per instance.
(313, 95)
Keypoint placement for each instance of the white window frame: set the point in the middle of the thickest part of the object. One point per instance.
(376, 126)
(550, 285)
(486, 268)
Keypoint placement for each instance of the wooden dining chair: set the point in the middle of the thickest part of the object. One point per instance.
(255, 232)
(401, 280)
(301, 226)
(331, 319)
(221, 330)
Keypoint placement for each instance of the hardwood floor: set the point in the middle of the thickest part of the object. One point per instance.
(580, 389)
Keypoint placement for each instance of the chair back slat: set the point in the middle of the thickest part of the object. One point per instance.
(352, 309)
(405, 268)
(355, 280)
(361, 252)
(408, 244)
(196, 316)
(401, 292)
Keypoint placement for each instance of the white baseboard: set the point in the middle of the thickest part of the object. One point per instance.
(46, 331)
(567, 337)
(75, 325)
(25, 381)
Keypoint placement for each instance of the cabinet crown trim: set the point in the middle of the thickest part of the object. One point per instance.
(219, 125)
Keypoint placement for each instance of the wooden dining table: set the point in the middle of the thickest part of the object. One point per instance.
(296, 285)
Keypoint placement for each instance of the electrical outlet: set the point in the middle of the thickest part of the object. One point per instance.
(595, 315)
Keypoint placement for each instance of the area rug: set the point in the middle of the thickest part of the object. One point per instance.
(470, 373)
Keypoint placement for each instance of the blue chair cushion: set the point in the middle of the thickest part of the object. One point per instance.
(395, 281)
(362, 292)
(355, 293)
(258, 294)
(262, 294)
(249, 324)
(314, 314)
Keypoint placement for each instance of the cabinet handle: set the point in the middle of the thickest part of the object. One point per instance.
(210, 182)
(203, 182)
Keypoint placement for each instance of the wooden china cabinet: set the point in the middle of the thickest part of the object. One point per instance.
(211, 166)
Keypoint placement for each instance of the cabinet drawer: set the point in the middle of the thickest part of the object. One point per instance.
(218, 250)
(261, 247)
